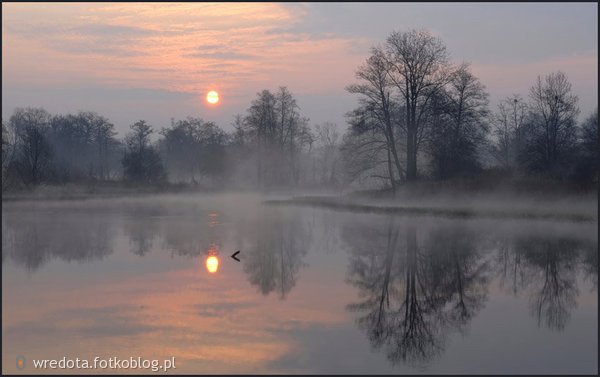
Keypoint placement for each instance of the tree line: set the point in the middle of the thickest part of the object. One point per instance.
(270, 146)
(419, 116)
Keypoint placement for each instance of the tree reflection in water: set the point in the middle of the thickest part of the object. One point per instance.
(417, 282)
(277, 244)
(548, 266)
(552, 265)
(419, 285)
(193, 237)
(414, 294)
(590, 264)
(33, 239)
(141, 234)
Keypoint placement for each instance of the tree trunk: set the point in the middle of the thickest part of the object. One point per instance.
(411, 156)
(391, 172)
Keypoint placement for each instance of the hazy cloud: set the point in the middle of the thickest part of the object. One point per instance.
(223, 55)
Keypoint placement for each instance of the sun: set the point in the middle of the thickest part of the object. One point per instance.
(212, 97)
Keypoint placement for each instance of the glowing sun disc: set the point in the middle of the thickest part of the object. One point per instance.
(212, 97)
(212, 264)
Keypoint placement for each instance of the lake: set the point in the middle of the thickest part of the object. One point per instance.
(315, 290)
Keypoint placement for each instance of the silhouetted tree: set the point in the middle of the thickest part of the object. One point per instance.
(9, 148)
(588, 156)
(194, 148)
(419, 68)
(552, 131)
(365, 153)
(459, 127)
(279, 133)
(509, 123)
(84, 147)
(328, 154)
(377, 103)
(34, 153)
(141, 162)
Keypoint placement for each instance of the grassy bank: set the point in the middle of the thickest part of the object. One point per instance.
(346, 204)
(94, 191)
(491, 182)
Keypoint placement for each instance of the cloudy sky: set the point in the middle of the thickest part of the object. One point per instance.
(156, 61)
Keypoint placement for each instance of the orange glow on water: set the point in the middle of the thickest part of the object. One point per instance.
(212, 264)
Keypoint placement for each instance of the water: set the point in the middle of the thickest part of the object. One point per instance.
(316, 291)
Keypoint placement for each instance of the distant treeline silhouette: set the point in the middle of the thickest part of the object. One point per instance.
(419, 117)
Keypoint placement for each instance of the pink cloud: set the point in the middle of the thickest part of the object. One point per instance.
(177, 47)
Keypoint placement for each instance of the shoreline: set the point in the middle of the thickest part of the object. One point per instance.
(338, 204)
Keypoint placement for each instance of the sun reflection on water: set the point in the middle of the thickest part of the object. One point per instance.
(212, 260)
(212, 264)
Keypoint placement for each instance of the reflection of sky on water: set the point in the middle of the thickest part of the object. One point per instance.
(316, 291)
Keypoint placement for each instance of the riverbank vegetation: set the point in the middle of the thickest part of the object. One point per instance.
(421, 121)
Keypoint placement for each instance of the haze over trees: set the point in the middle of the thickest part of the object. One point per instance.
(459, 125)
(277, 133)
(419, 116)
(141, 161)
(552, 132)
(508, 127)
(193, 148)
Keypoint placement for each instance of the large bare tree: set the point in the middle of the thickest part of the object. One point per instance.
(377, 101)
(419, 68)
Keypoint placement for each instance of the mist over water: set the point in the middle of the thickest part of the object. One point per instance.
(315, 291)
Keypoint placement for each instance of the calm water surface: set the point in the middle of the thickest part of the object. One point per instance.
(315, 291)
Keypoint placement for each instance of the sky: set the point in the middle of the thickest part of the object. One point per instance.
(157, 61)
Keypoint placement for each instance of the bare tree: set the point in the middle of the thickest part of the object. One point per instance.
(553, 129)
(328, 144)
(260, 123)
(9, 147)
(34, 153)
(419, 68)
(141, 162)
(84, 146)
(461, 130)
(278, 132)
(509, 122)
(375, 88)
(193, 148)
(588, 161)
(365, 150)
